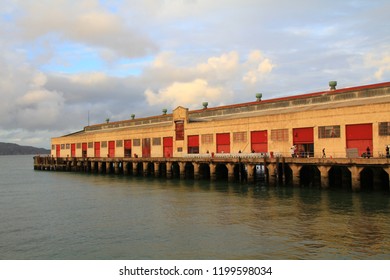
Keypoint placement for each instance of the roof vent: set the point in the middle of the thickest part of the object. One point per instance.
(332, 85)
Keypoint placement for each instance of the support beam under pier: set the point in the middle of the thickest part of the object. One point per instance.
(355, 177)
(324, 170)
(296, 178)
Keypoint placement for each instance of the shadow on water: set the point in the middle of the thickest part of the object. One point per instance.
(340, 201)
(372, 203)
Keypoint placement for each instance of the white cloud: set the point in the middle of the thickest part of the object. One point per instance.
(93, 78)
(85, 22)
(163, 60)
(190, 94)
(258, 67)
(38, 107)
(254, 76)
(210, 81)
(222, 67)
(39, 80)
(380, 62)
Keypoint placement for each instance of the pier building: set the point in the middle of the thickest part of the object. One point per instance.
(332, 137)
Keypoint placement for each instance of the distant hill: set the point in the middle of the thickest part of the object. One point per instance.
(14, 149)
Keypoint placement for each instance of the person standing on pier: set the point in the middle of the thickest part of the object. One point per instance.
(387, 151)
(292, 151)
(368, 152)
(323, 153)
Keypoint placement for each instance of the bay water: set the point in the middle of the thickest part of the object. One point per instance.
(64, 216)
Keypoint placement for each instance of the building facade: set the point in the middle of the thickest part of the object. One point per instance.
(339, 123)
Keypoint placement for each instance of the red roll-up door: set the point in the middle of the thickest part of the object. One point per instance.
(223, 142)
(359, 131)
(359, 136)
(259, 141)
(127, 144)
(73, 150)
(84, 149)
(193, 144)
(168, 146)
(303, 135)
(146, 147)
(127, 148)
(303, 138)
(111, 148)
(97, 149)
(58, 150)
(193, 141)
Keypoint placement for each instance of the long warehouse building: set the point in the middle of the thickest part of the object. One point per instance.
(338, 123)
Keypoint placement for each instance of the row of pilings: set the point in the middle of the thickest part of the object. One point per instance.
(350, 174)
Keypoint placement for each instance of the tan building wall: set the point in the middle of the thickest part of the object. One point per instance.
(372, 107)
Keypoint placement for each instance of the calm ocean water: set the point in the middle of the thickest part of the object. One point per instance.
(54, 215)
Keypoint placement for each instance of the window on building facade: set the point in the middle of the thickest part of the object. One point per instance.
(179, 128)
(240, 137)
(207, 139)
(78, 145)
(119, 143)
(104, 144)
(90, 145)
(332, 131)
(62, 146)
(67, 146)
(156, 141)
(384, 128)
(137, 142)
(280, 135)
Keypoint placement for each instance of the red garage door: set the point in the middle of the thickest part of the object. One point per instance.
(359, 136)
(97, 149)
(146, 147)
(168, 146)
(58, 150)
(84, 149)
(73, 150)
(111, 148)
(193, 144)
(303, 135)
(223, 142)
(303, 138)
(127, 148)
(259, 141)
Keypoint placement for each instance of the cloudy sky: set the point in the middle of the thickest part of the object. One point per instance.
(64, 60)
